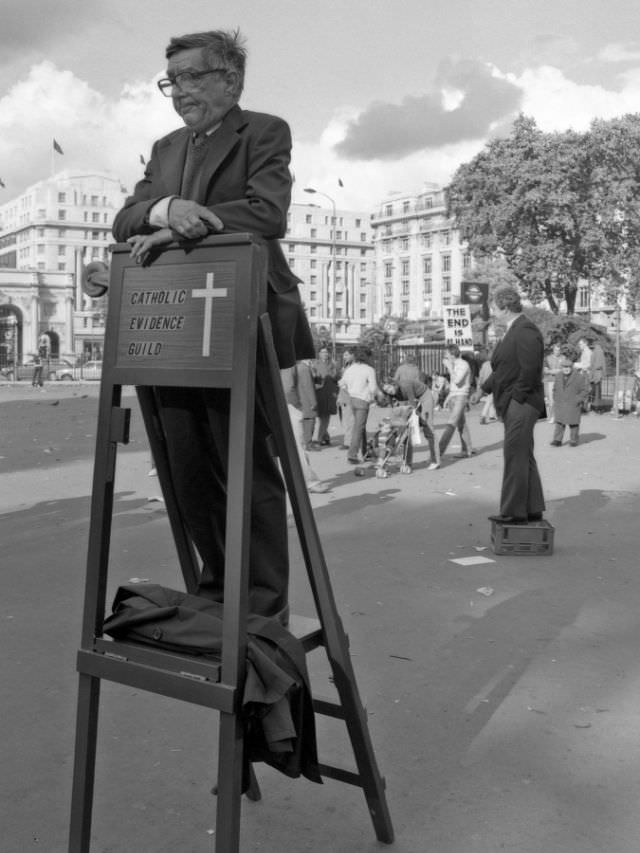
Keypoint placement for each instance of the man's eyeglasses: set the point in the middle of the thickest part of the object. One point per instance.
(185, 80)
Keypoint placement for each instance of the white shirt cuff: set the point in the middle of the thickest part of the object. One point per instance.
(159, 213)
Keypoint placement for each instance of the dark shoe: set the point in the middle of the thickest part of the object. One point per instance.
(353, 461)
(535, 516)
(326, 442)
(556, 444)
(507, 519)
(573, 444)
(483, 420)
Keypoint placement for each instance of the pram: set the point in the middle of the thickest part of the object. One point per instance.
(393, 439)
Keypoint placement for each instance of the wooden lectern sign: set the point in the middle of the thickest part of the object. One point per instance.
(195, 317)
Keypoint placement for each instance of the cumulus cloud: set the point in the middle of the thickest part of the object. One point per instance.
(620, 53)
(388, 131)
(95, 132)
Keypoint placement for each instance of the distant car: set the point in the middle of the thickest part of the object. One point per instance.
(89, 370)
(52, 368)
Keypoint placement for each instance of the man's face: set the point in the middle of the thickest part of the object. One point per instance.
(204, 103)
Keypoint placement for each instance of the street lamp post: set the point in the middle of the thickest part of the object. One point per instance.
(333, 267)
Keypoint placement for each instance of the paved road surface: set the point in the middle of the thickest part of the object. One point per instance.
(506, 721)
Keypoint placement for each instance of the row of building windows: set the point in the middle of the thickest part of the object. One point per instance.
(94, 199)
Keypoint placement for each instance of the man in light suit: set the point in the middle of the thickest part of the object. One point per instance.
(227, 170)
(518, 395)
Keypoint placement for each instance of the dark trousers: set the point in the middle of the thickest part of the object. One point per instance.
(521, 486)
(196, 427)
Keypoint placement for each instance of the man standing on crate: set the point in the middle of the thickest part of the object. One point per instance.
(227, 170)
(518, 394)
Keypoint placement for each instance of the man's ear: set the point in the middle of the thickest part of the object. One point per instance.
(231, 83)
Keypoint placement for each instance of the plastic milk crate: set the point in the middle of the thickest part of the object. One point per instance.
(536, 537)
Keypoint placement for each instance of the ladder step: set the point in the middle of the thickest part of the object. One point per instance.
(329, 708)
(341, 775)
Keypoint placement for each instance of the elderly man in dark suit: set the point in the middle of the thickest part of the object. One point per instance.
(227, 170)
(518, 395)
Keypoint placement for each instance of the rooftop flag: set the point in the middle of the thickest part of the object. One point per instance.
(340, 184)
(2, 184)
(57, 148)
(142, 160)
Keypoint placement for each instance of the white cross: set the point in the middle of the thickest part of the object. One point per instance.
(208, 293)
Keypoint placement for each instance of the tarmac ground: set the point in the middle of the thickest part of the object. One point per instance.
(501, 691)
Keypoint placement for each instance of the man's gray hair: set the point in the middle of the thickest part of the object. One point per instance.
(221, 48)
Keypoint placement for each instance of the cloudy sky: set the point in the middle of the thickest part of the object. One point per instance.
(384, 95)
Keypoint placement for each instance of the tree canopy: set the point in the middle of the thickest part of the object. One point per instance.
(557, 207)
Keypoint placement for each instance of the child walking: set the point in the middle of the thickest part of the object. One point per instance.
(570, 390)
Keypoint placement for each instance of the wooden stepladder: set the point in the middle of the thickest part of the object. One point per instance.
(195, 317)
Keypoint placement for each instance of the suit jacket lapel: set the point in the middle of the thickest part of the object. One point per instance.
(171, 157)
(223, 142)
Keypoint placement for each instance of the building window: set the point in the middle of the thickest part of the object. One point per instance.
(62, 267)
(313, 295)
(583, 297)
(62, 250)
(427, 265)
(446, 284)
(292, 247)
(406, 267)
(388, 210)
(94, 199)
(406, 206)
(445, 236)
(404, 244)
(62, 214)
(358, 223)
(405, 287)
(388, 269)
(466, 261)
(405, 309)
(446, 263)
(427, 240)
(363, 236)
(40, 232)
(308, 219)
(40, 249)
(427, 287)
(62, 198)
(313, 264)
(314, 232)
(363, 313)
(291, 262)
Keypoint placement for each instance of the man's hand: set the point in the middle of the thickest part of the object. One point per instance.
(191, 220)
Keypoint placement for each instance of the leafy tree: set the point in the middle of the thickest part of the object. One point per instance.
(524, 198)
(612, 229)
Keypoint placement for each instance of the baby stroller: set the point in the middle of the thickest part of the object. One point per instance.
(393, 439)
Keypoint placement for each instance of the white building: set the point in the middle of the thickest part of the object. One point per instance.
(311, 242)
(420, 261)
(46, 235)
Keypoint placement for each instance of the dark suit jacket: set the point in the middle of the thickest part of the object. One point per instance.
(517, 364)
(246, 182)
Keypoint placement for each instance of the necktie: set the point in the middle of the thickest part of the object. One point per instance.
(196, 153)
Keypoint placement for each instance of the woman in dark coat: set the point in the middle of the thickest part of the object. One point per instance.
(326, 382)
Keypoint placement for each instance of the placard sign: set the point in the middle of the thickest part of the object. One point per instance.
(178, 316)
(457, 326)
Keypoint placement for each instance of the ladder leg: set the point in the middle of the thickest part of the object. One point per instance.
(84, 764)
(230, 743)
(335, 639)
(372, 782)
